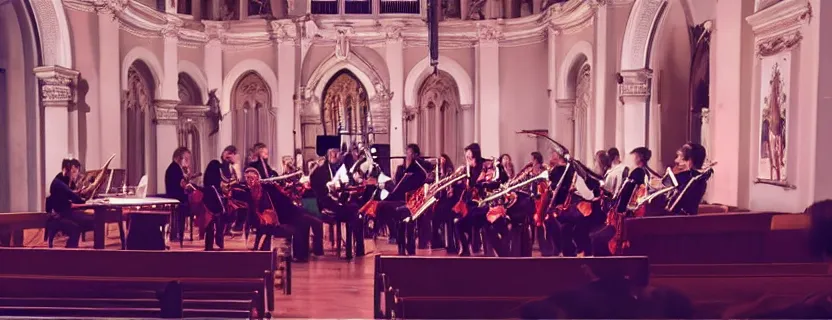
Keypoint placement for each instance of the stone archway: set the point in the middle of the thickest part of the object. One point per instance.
(254, 118)
(435, 124)
(345, 108)
(137, 107)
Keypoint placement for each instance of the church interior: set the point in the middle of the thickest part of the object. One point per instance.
(113, 88)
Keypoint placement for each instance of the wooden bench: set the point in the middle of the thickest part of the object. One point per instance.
(482, 288)
(103, 283)
(748, 237)
(716, 287)
(13, 224)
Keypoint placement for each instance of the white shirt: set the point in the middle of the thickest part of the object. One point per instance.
(614, 178)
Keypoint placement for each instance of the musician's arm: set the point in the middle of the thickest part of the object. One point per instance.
(66, 192)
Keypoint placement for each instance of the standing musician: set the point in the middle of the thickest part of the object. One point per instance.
(62, 196)
(444, 231)
(609, 240)
(482, 178)
(176, 181)
(690, 158)
(221, 182)
(392, 211)
(342, 212)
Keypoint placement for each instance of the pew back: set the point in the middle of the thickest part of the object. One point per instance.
(235, 283)
(485, 288)
(12, 224)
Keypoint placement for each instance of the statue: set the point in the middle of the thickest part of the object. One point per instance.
(475, 10)
(214, 112)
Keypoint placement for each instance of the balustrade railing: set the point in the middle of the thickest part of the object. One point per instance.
(400, 7)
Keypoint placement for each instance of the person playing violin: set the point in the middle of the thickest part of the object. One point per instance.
(319, 181)
(482, 178)
(690, 158)
(176, 182)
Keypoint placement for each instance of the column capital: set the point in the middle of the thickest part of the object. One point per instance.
(57, 85)
(164, 112)
(409, 113)
(565, 103)
(634, 85)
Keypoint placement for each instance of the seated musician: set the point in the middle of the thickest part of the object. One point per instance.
(506, 166)
(608, 239)
(617, 173)
(690, 157)
(260, 161)
(409, 176)
(513, 240)
(59, 204)
(585, 214)
(262, 207)
(176, 181)
(473, 217)
(561, 179)
(342, 212)
(443, 229)
(221, 181)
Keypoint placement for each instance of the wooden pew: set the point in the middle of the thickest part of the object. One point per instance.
(747, 237)
(103, 283)
(13, 224)
(482, 288)
(714, 288)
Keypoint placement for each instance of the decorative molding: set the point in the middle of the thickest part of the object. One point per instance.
(466, 107)
(409, 113)
(773, 46)
(785, 17)
(383, 95)
(760, 5)
(57, 85)
(636, 83)
(565, 103)
(247, 34)
(192, 113)
(640, 31)
(165, 113)
(342, 43)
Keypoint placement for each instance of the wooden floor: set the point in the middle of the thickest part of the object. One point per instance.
(325, 287)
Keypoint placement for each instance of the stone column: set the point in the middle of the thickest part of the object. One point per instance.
(635, 95)
(553, 78)
(467, 123)
(213, 69)
(602, 129)
(395, 64)
(565, 124)
(488, 69)
(165, 121)
(58, 97)
(286, 79)
(104, 120)
(409, 119)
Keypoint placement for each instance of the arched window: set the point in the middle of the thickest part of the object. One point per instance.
(346, 107)
(438, 117)
(583, 99)
(138, 103)
(254, 119)
(189, 93)
(190, 98)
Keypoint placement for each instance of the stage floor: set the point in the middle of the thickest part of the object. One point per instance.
(325, 287)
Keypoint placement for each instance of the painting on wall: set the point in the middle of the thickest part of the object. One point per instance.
(775, 82)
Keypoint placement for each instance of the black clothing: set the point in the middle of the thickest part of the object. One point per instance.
(416, 178)
(62, 217)
(263, 168)
(174, 190)
(689, 203)
(637, 178)
(566, 186)
(346, 213)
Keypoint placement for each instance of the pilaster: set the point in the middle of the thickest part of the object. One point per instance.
(165, 122)
(394, 54)
(287, 134)
(58, 97)
(553, 78)
(213, 74)
(602, 129)
(104, 126)
(467, 123)
(488, 69)
(564, 126)
(634, 94)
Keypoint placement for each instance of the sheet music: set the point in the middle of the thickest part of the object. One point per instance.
(341, 175)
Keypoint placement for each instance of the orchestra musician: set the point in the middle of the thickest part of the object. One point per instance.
(409, 176)
(221, 182)
(263, 209)
(585, 213)
(260, 161)
(561, 179)
(617, 173)
(690, 158)
(444, 234)
(176, 181)
(482, 178)
(514, 238)
(342, 212)
(59, 204)
(507, 166)
(608, 238)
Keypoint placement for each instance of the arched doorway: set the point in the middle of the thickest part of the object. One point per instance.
(138, 105)
(700, 82)
(573, 124)
(254, 119)
(438, 118)
(19, 110)
(191, 119)
(345, 108)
